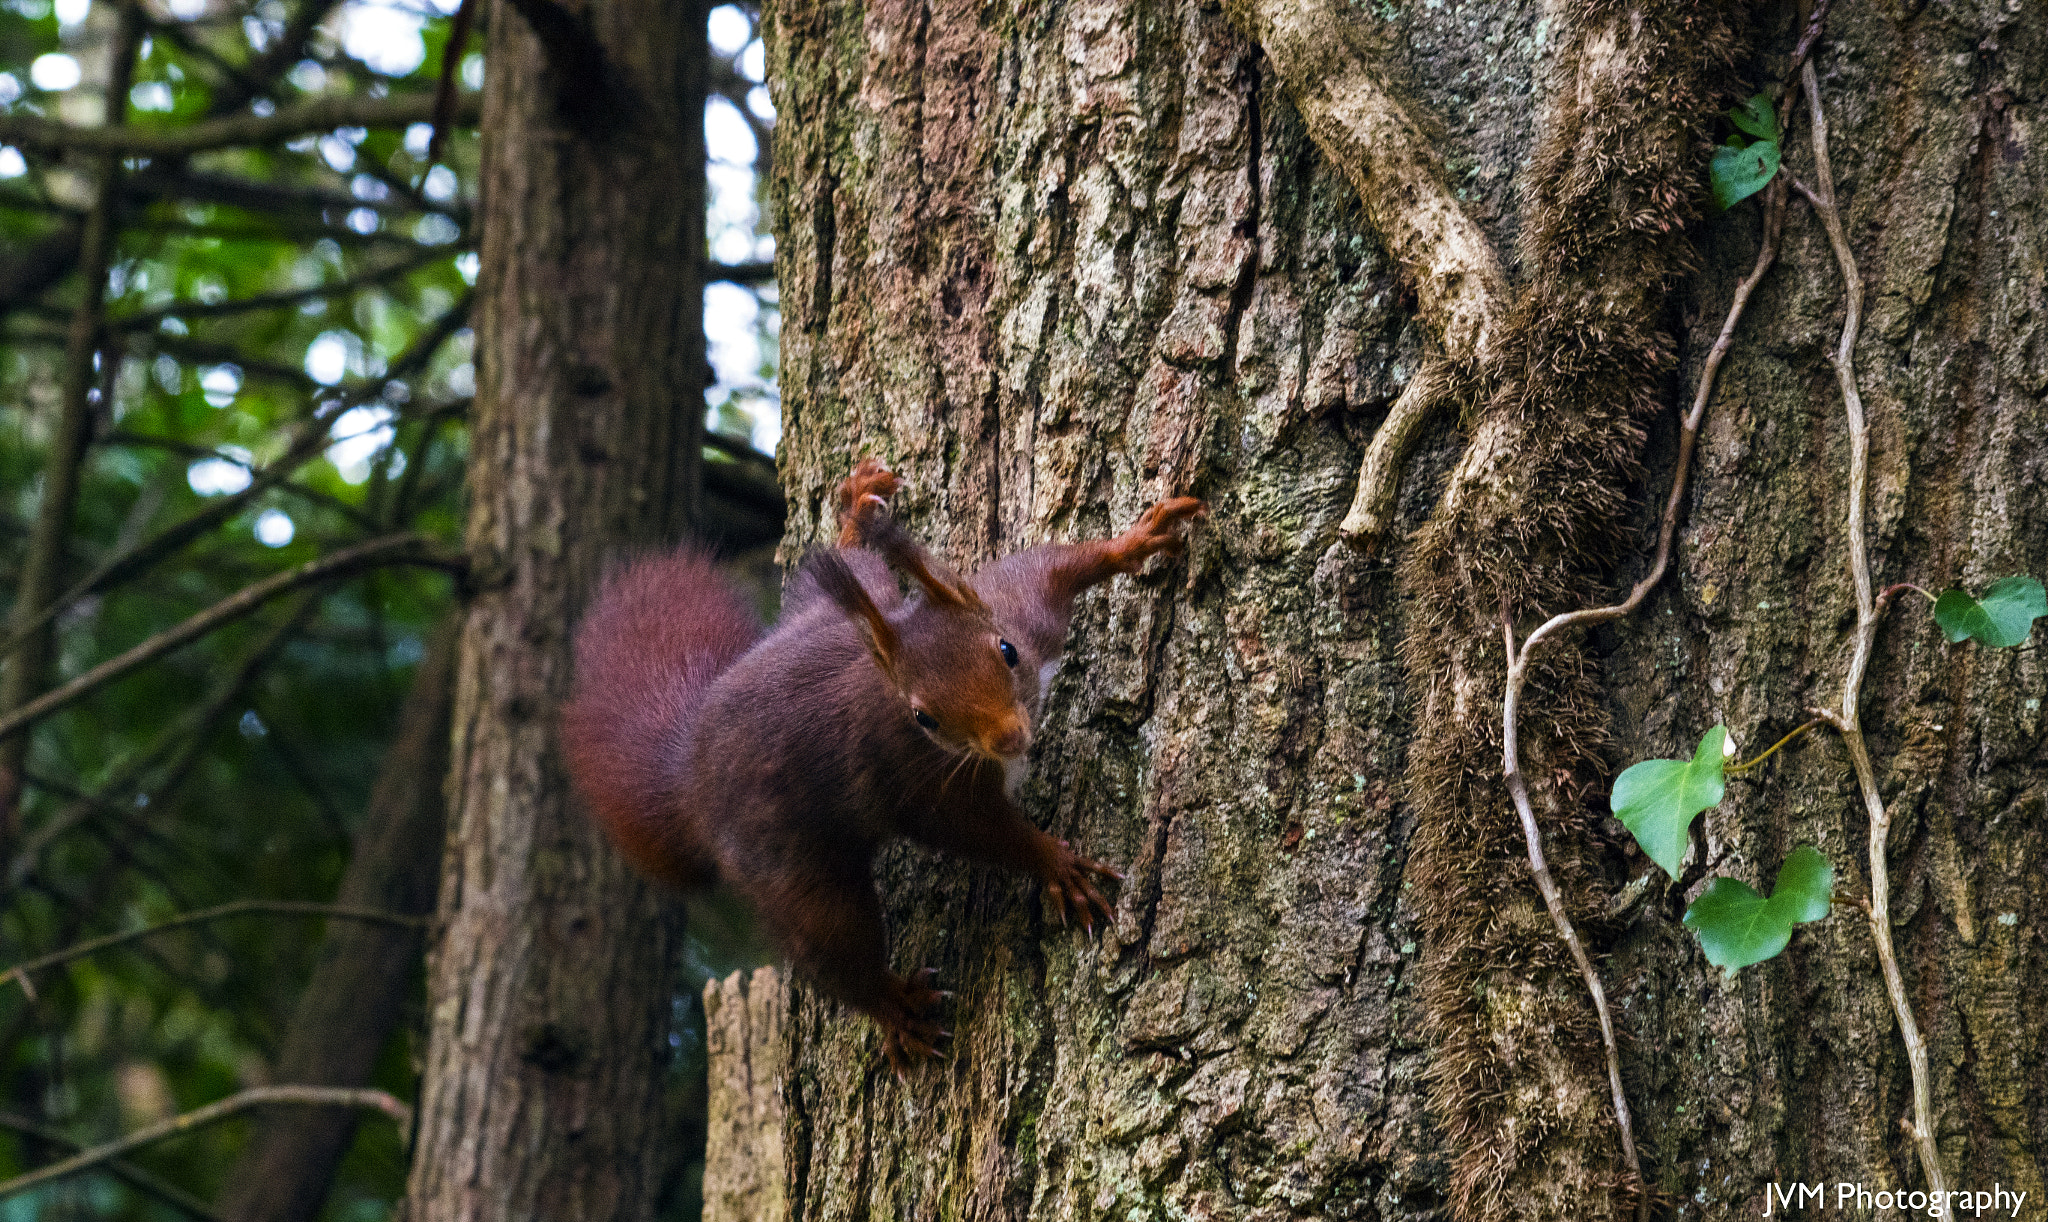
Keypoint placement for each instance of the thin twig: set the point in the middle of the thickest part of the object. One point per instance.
(187, 310)
(1808, 39)
(42, 567)
(1553, 899)
(1745, 766)
(170, 756)
(404, 548)
(1518, 671)
(1688, 438)
(256, 1096)
(311, 439)
(288, 122)
(21, 971)
(143, 1180)
(1846, 719)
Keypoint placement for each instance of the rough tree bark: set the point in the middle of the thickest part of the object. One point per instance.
(1057, 261)
(550, 988)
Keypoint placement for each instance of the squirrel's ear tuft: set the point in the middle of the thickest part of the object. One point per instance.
(836, 581)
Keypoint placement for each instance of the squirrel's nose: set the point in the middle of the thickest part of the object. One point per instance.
(1012, 741)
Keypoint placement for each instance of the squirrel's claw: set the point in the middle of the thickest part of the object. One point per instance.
(1156, 531)
(1067, 881)
(869, 479)
(862, 496)
(909, 1033)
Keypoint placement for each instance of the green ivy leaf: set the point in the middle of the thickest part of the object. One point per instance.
(1737, 927)
(1657, 799)
(2004, 616)
(1739, 173)
(1757, 117)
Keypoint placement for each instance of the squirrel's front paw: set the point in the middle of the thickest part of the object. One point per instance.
(908, 1029)
(869, 478)
(863, 497)
(1070, 881)
(1157, 530)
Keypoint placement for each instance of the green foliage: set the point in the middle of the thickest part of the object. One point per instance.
(1737, 927)
(1656, 800)
(254, 293)
(1756, 117)
(1740, 167)
(2003, 617)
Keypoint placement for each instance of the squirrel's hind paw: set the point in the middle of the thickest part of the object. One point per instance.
(909, 1033)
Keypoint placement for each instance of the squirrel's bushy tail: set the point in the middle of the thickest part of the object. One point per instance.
(661, 629)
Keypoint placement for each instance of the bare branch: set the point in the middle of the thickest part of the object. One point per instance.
(405, 548)
(42, 568)
(150, 318)
(444, 92)
(22, 971)
(286, 123)
(1357, 122)
(739, 273)
(170, 756)
(1847, 719)
(258, 1096)
(147, 1181)
(1372, 507)
(311, 439)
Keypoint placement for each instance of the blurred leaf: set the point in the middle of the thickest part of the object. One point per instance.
(1738, 173)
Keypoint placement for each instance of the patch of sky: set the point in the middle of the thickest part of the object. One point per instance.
(384, 36)
(330, 356)
(221, 476)
(728, 137)
(274, 528)
(729, 29)
(54, 72)
(153, 96)
(221, 384)
(440, 184)
(433, 229)
(359, 434)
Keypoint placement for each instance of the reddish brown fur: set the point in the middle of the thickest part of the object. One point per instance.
(660, 631)
(786, 772)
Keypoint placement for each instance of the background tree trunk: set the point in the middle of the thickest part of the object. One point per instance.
(366, 971)
(1058, 263)
(551, 987)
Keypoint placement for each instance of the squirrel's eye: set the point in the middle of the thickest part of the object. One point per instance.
(926, 720)
(1009, 652)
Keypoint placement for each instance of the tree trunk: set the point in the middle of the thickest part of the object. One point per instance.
(1056, 264)
(365, 971)
(551, 986)
(745, 1042)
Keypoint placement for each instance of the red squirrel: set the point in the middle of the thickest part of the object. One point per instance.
(778, 764)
